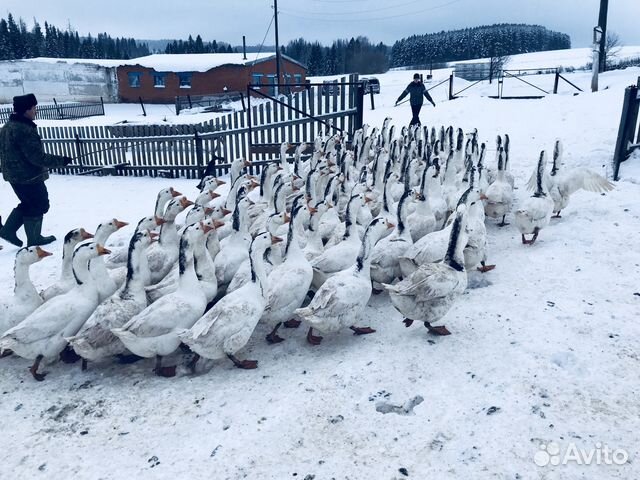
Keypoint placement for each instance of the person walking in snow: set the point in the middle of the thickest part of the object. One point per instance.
(416, 90)
(26, 167)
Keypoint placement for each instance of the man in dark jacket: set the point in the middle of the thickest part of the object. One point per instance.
(416, 90)
(26, 167)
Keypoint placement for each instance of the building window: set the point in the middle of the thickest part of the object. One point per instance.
(185, 80)
(159, 80)
(297, 78)
(256, 79)
(134, 79)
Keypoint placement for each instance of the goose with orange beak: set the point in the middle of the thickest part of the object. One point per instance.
(25, 298)
(226, 328)
(95, 341)
(43, 334)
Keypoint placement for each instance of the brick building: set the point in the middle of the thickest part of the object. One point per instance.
(160, 78)
(156, 78)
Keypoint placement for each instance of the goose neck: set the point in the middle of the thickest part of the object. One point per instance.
(23, 285)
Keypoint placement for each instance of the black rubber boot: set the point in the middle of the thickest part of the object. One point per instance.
(9, 229)
(33, 229)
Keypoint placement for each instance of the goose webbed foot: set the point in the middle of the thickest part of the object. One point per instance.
(440, 330)
(557, 215)
(126, 359)
(503, 223)
(485, 268)
(362, 330)
(34, 369)
(292, 323)
(375, 291)
(244, 364)
(273, 337)
(407, 322)
(6, 353)
(192, 363)
(527, 242)
(161, 371)
(313, 339)
(68, 355)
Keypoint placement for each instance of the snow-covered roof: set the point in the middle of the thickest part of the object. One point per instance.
(194, 62)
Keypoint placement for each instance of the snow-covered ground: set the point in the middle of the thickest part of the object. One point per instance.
(544, 349)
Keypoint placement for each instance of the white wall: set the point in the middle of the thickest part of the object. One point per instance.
(62, 81)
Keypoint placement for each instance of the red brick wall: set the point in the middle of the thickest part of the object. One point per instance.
(234, 77)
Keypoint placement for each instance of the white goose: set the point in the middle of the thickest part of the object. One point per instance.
(422, 221)
(95, 340)
(163, 254)
(66, 281)
(107, 285)
(289, 282)
(427, 294)
(535, 212)
(42, 335)
(340, 256)
(384, 259)
(499, 194)
(25, 298)
(119, 255)
(154, 331)
(342, 298)
(561, 184)
(227, 327)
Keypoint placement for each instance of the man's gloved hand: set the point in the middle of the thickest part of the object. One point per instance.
(67, 160)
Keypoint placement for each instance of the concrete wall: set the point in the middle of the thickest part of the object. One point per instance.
(62, 81)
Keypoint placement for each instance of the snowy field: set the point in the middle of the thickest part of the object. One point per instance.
(543, 349)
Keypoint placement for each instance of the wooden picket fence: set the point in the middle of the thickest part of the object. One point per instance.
(151, 150)
(63, 111)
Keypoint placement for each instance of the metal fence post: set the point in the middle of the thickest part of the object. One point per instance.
(359, 106)
(629, 112)
(102, 105)
(144, 112)
(451, 97)
(555, 82)
(373, 105)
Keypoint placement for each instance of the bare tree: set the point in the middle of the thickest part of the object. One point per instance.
(612, 46)
(496, 64)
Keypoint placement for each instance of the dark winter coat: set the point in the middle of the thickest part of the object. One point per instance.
(416, 90)
(22, 157)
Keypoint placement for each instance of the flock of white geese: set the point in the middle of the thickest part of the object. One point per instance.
(309, 241)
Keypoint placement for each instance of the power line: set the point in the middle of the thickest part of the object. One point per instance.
(367, 19)
(369, 10)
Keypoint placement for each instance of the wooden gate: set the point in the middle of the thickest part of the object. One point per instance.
(185, 150)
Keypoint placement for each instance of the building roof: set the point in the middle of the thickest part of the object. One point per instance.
(190, 62)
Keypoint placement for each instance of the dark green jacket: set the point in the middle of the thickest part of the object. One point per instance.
(416, 92)
(22, 157)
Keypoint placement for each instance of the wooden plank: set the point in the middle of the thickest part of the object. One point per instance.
(269, 132)
(236, 138)
(261, 132)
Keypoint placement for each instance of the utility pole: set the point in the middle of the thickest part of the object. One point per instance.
(275, 12)
(602, 23)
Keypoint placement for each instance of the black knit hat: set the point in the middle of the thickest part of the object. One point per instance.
(22, 103)
(416, 76)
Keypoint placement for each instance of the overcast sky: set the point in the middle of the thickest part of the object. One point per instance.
(323, 20)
